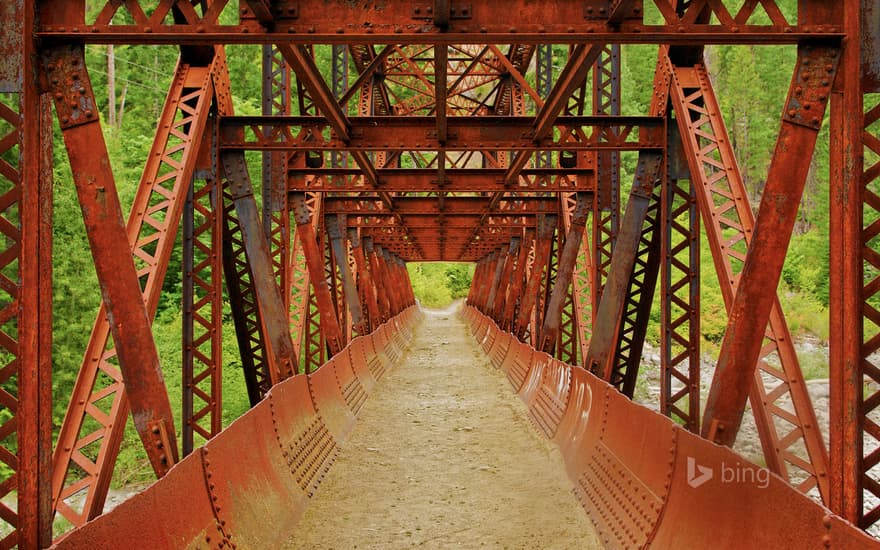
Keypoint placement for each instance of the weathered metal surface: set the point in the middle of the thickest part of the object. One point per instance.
(729, 222)
(410, 22)
(127, 316)
(567, 258)
(607, 332)
(756, 290)
(202, 296)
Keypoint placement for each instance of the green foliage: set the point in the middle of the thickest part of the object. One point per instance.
(438, 284)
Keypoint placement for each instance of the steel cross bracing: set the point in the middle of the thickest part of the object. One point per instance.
(440, 132)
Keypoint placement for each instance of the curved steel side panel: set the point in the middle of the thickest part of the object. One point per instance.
(249, 484)
(252, 497)
(646, 482)
(360, 351)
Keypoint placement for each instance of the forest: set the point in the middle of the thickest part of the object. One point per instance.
(130, 84)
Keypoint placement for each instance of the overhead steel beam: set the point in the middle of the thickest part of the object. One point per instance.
(420, 133)
(309, 75)
(404, 206)
(477, 180)
(573, 74)
(355, 23)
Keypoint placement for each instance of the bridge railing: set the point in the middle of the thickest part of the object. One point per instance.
(644, 480)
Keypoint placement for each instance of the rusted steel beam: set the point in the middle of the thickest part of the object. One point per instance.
(498, 269)
(202, 297)
(581, 306)
(606, 331)
(680, 295)
(411, 205)
(478, 282)
(573, 75)
(315, 261)
(850, 253)
(543, 242)
(441, 66)
(756, 291)
(97, 412)
(243, 304)
(307, 73)
(128, 319)
(365, 285)
(637, 303)
(26, 509)
(561, 288)
(474, 180)
(729, 223)
(273, 317)
(414, 223)
(386, 260)
(276, 99)
(299, 312)
(419, 133)
(497, 305)
(336, 231)
(378, 279)
(524, 22)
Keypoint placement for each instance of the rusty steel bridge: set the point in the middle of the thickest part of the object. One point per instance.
(492, 157)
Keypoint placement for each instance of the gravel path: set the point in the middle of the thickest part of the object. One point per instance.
(443, 456)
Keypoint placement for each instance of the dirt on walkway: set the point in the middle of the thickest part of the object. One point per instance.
(443, 456)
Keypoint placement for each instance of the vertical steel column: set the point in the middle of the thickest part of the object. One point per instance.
(606, 333)
(543, 85)
(488, 280)
(756, 291)
(728, 222)
(273, 316)
(388, 266)
(335, 229)
(637, 304)
(546, 228)
(203, 299)
(581, 289)
(606, 211)
(26, 262)
(561, 288)
(379, 280)
(501, 259)
(476, 282)
(503, 283)
(93, 426)
(680, 295)
(520, 273)
(853, 264)
(334, 282)
(276, 212)
(315, 261)
(109, 243)
(365, 282)
(243, 303)
(305, 330)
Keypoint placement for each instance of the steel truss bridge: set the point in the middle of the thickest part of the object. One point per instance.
(443, 131)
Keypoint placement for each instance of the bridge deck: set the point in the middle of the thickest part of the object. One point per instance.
(443, 456)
